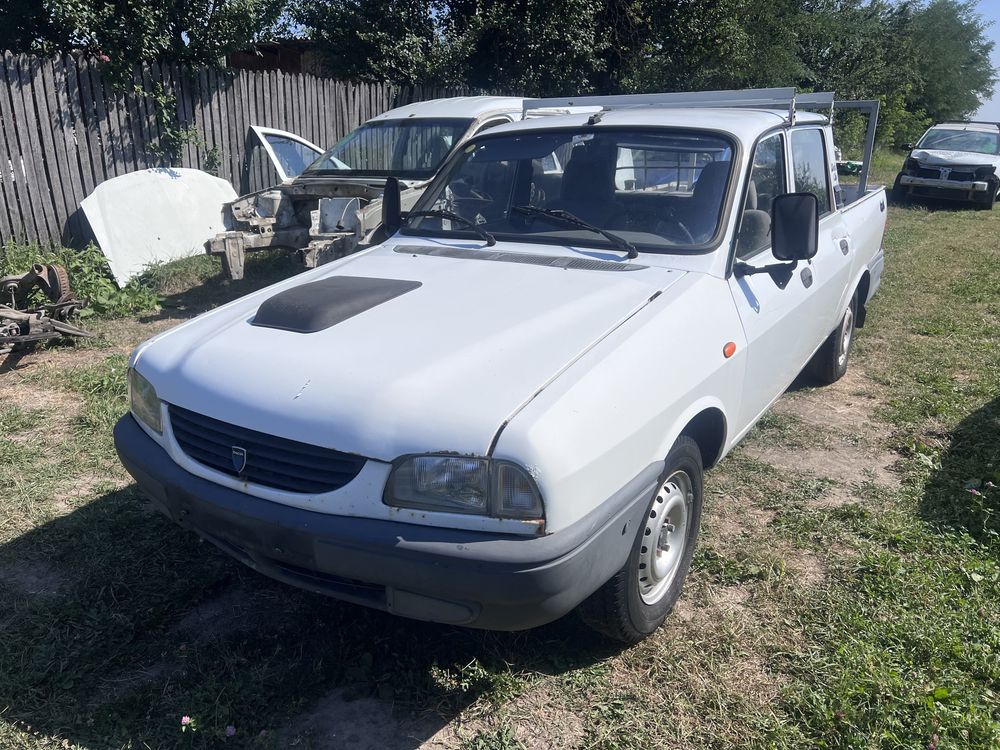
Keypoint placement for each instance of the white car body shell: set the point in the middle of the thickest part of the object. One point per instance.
(944, 173)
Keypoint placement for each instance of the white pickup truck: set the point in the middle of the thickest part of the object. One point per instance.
(503, 412)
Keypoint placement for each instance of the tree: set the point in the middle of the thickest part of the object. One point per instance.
(373, 40)
(126, 32)
(954, 73)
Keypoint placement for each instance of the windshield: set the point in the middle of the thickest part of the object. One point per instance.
(656, 189)
(973, 141)
(412, 148)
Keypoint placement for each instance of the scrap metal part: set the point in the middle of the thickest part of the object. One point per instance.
(318, 219)
(24, 323)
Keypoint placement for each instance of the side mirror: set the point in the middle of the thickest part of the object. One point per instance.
(795, 226)
(392, 216)
(907, 147)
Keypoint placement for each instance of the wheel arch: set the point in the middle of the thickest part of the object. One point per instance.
(708, 428)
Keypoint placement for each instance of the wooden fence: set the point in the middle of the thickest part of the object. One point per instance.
(65, 129)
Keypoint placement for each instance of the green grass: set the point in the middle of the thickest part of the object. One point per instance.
(870, 623)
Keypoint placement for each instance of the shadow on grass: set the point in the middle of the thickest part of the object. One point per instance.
(964, 492)
(201, 286)
(116, 624)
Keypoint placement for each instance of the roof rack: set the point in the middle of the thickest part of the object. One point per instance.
(774, 98)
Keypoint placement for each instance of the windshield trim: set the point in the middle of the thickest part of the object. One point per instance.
(407, 174)
(710, 246)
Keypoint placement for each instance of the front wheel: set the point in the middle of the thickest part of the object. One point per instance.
(988, 203)
(899, 194)
(639, 597)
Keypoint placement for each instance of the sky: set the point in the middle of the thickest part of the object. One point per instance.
(990, 10)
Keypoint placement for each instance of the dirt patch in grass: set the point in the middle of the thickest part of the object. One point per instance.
(847, 465)
(852, 452)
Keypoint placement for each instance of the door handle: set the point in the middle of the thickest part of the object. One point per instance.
(845, 247)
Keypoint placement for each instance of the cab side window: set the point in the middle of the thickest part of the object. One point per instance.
(809, 166)
(767, 180)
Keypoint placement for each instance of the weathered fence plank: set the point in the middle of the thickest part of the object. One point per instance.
(64, 129)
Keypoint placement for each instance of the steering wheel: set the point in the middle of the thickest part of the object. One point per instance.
(670, 227)
(673, 228)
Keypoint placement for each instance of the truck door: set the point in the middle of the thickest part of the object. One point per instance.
(831, 267)
(779, 323)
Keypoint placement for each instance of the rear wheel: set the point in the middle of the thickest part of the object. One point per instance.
(638, 597)
(830, 362)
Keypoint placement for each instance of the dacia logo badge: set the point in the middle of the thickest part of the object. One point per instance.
(239, 459)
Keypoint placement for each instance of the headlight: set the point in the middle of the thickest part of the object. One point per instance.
(984, 173)
(463, 484)
(911, 165)
(143, 401)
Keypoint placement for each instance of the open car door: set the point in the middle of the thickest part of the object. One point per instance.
(290, 153)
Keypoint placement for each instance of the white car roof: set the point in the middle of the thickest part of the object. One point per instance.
(457, 106)
(746, 124)
(978, 127)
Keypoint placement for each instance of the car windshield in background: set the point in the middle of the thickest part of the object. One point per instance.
(973, 141)
(655, 189)
(411, 149)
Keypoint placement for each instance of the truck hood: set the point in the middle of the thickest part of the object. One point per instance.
(940, 158)
(440, 367)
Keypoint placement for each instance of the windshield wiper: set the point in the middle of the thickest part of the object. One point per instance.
(565, 216)
(450, 216)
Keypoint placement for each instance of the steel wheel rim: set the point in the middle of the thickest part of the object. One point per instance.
(664, 538)
(845, 340)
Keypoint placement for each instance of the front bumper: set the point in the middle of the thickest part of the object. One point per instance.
(477, 579)
(957, 187)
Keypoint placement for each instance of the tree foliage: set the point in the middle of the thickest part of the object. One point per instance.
(926, 59)
(126, 32)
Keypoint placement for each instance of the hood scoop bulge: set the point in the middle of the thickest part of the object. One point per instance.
(318, 305)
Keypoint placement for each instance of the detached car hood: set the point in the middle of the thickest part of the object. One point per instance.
(938, 158)
(436, 363)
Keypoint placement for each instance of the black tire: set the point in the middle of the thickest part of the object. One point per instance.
(987, 205)
(899, 196)
(626, 609)
(829, 364)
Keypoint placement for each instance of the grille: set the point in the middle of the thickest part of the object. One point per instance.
(500, 256)
(270, 461)
(962, 176)
(928, 173)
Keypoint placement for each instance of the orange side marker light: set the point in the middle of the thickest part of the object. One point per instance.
(729, 349)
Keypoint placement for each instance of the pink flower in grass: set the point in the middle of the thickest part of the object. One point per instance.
(230, 731)
(185, 720)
